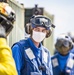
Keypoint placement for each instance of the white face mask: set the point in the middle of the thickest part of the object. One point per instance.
(38, 36)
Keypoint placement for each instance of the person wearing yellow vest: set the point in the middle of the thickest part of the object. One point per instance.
(7, 18)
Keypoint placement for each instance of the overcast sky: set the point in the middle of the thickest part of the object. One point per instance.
(63, 11)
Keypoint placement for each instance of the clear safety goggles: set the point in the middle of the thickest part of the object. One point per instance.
(64, 43)
(41, 21)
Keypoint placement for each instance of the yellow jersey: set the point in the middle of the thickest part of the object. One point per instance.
(7, 64)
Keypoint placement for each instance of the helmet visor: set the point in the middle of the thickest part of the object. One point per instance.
(41, 21)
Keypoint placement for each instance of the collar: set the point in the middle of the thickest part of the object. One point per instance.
(35, 50)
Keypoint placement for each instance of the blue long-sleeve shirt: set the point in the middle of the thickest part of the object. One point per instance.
(32, 59)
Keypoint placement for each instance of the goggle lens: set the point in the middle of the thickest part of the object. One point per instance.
(41, 21)
(62, 43)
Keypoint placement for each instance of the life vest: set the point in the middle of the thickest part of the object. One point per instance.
(33, 65)
(69, 65)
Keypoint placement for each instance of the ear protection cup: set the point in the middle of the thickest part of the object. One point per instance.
(6, 24)
(70, 45)
(70, 41)
(49, 32)
(71, 34)
(28, 28)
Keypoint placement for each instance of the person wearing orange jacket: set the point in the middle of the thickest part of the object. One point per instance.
(7, 18)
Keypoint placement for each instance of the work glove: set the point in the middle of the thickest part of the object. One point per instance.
(7, 18)
(64, 73)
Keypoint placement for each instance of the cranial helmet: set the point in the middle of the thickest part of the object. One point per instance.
(7, 17)
(64, 40)
(42, 21)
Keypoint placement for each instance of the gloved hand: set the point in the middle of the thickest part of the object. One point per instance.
(64, 73)
(7, 17)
